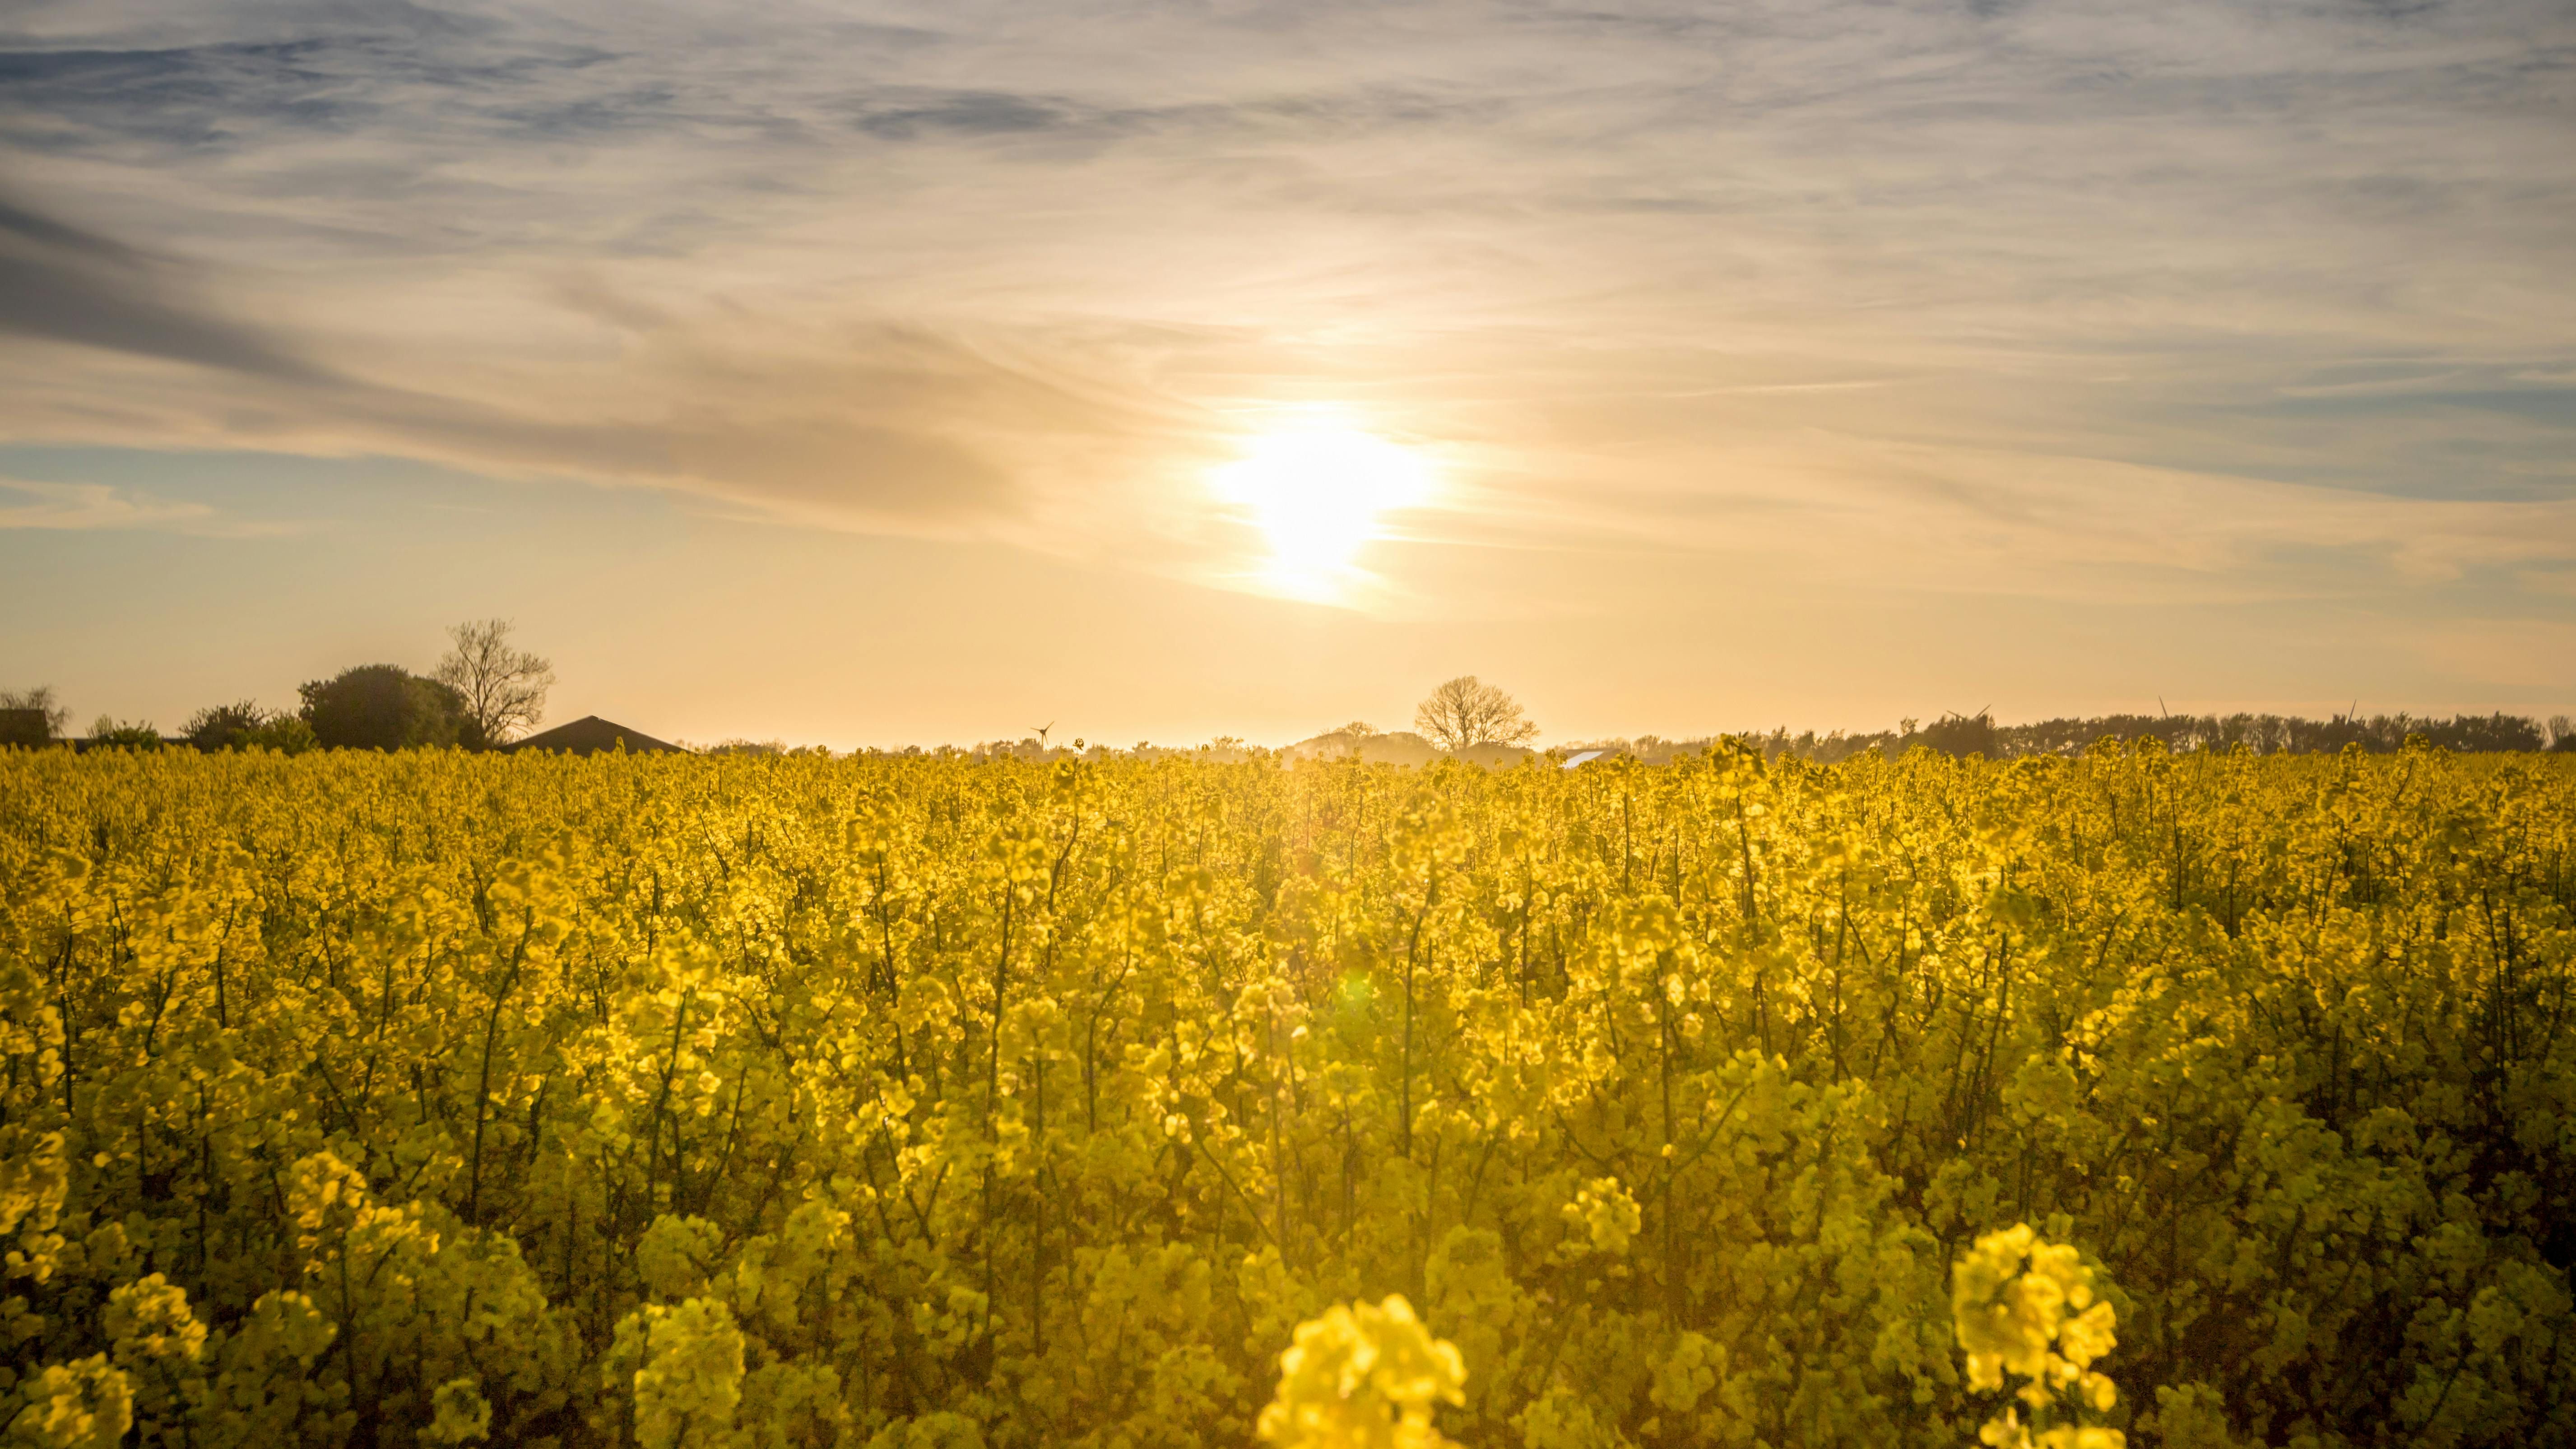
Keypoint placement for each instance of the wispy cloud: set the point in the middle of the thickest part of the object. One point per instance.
(87, 507)
(2055, 296)
(63, 284)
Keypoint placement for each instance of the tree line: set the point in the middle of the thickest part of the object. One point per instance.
(484, 693)
(2262, 734)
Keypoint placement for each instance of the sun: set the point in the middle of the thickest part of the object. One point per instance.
(1319, 493)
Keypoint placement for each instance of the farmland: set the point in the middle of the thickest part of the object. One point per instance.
(416, 1098)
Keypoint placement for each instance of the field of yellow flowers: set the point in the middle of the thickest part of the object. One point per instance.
(429, 1098)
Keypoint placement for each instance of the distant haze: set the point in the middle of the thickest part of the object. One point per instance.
(869, 374)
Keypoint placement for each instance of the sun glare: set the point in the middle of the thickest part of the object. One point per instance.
(1318, 494)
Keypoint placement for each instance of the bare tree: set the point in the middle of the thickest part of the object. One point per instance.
(1465, 712)
(504, 688)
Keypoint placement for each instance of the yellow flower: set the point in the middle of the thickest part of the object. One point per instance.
(1363, 1377)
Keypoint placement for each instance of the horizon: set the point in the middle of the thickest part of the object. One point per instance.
(1065, 743)
(1283, 732)
(875, 374)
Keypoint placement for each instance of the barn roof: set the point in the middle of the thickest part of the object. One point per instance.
(590, 734)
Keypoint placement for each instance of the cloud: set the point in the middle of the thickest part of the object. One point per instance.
(969, 113)
(64, 284)
(89, 507)
(847, 427)
(2056, 296)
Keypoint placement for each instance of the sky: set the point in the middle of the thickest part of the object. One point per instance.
(905, 373)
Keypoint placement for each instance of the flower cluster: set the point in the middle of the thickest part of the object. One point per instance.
(2026, 1308)
(1363, 1376)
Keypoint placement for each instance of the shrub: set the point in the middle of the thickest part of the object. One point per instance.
(386, 707)
(132, 734)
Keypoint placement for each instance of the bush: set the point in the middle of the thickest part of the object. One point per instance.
(218, 727)
(386, 707)
(132, 734)
(245, 726)
(287, 734)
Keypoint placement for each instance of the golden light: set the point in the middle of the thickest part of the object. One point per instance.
(1319, 493)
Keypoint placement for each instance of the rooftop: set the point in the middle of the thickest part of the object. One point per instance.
(590, 734)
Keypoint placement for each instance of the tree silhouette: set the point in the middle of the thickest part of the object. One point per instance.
(385, 707)
(1465, 712)
(504, 689)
